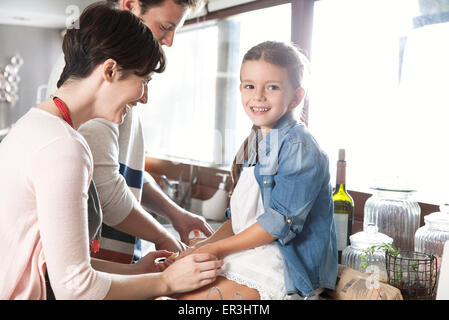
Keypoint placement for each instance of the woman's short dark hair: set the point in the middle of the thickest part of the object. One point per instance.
(105, 33)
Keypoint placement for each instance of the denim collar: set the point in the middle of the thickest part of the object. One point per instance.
(264, 142)
(285, 121)
(281, 126)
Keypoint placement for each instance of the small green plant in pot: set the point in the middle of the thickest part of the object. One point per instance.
(386, 247)
(411, 272)
(372, 259)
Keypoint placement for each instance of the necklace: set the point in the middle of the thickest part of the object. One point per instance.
(95, 243)
(63, 109)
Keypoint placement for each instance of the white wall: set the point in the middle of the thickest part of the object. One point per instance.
(39, 48)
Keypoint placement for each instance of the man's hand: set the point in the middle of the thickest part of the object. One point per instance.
(170, 243)
(184, 222)
(155, 200)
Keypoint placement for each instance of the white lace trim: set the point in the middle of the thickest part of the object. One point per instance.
(265, 293)
(260, 268)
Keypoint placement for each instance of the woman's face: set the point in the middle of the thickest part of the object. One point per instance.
(125, 94)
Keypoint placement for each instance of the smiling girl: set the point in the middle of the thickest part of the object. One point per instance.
(280, 241)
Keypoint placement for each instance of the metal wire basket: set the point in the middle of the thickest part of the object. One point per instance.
(414, 273)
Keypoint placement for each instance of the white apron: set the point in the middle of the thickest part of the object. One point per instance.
(261, 268)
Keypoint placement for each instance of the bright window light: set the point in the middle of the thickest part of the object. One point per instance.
(194, 111)
(380, 91)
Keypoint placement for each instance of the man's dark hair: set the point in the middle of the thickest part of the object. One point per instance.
(106, 33)
(147, 4)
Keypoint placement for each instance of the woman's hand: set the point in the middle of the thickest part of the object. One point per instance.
(191, 272)
(149, 263)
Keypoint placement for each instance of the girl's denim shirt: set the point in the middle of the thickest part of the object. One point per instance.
(293, 176)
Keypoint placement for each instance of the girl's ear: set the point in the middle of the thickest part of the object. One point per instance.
(110, 70)
(298, 95)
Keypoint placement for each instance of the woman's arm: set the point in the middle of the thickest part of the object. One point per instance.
(112, 267)
(60, 175)
(147, 264)
(185, 275)
(131, 281)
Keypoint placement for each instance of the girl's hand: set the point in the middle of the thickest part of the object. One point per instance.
(191, 272)
(185, 253)
(210, 248)
(192, 249)
(149, 263)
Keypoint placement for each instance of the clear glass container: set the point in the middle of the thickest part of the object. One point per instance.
(431, 237)
(395, 214)
(354, 254)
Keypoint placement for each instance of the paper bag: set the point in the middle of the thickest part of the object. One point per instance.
(354, 285)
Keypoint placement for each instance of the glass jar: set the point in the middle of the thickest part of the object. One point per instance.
(354, 255)
(431, 237)
(395, 214)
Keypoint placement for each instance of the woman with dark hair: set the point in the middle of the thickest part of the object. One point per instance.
(128, 193)
(46, 167)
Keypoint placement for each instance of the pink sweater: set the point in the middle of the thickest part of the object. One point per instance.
(45, 170)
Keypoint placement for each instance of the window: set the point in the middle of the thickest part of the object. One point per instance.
(179, 116)
(380, 78)
(195, 112)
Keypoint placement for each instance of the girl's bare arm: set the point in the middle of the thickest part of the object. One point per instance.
(252, 237)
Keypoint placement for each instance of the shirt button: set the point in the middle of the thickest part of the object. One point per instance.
(265, 182)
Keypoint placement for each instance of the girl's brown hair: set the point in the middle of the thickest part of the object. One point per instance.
(281, 54)
(105, 33)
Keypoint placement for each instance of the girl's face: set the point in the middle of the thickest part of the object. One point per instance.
(267, 94)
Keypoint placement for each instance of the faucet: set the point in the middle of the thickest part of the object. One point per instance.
(185, 188)
(170, 187)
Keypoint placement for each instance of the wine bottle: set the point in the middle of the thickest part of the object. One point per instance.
(343, 206)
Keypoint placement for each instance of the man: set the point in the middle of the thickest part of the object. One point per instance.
(119, 159)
